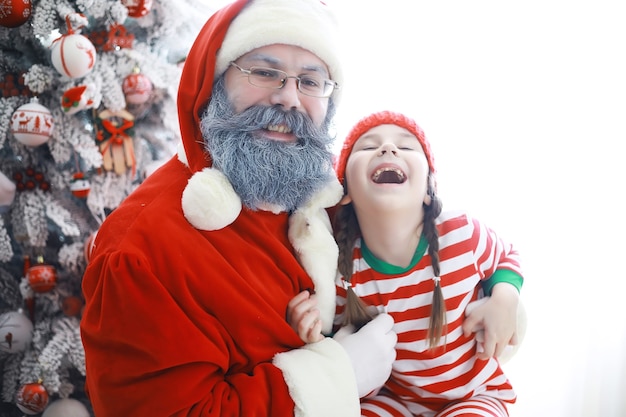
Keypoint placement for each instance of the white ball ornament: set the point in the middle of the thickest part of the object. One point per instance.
(66, 407)
(32, 124)
(73, 55)
(16, 332)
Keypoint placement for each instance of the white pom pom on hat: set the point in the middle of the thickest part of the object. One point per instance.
(209, 201)
(309, 24)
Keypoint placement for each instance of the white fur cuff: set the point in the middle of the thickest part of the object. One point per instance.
(321, 380)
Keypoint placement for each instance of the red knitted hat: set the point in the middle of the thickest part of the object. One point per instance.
(377, 119)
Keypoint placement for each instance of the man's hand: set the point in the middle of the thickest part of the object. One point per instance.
(494, 320)
(304, 317)
(372, 351)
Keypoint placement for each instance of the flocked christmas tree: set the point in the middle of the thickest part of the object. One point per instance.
(87, 111)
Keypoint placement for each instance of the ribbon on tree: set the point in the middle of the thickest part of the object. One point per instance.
(116, 144)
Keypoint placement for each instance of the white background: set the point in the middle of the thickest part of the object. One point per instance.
(524, 104)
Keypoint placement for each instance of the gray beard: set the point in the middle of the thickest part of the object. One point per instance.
(264, 171)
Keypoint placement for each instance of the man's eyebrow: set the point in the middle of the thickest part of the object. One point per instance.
(272, 60)
(268, 59)
(316, 68)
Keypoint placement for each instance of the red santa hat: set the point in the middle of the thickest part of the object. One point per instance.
(377, 119)
(237, 29)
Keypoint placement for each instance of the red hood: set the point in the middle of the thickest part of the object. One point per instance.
(196, 83)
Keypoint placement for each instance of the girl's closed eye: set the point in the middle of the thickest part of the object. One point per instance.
(365, 146)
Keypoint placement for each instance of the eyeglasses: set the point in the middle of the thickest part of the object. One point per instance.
(310, 85)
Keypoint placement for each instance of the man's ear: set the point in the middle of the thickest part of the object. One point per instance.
(345, 200)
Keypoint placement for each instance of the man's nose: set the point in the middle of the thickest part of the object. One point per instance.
(288, 96)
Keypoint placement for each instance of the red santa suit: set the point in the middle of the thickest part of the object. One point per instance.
(186, 290)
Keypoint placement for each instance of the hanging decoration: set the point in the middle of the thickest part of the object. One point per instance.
(14, 13)
(137, 8)
(73, 54)
(42, 277)
(116, 142)
(137, 87)
(32, 398)
(16, 331)
(32, 123)
(76, 99)
(80, 185)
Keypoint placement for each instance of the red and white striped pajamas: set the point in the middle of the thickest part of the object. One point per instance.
(447, 380)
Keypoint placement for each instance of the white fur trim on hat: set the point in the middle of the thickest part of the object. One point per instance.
(209, 201)
(309, 24)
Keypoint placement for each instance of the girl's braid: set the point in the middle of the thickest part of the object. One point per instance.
(438, 307)
(346, 233)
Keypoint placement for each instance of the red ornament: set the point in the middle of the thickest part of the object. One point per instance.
(42, 277)
(137, 88)
(72, 306)
(32, 398)
(32, 123)
(137, 8)
(80, 185)
(14, 13)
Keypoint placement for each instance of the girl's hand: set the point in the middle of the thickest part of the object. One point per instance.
(304, 317)
(494, 320)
